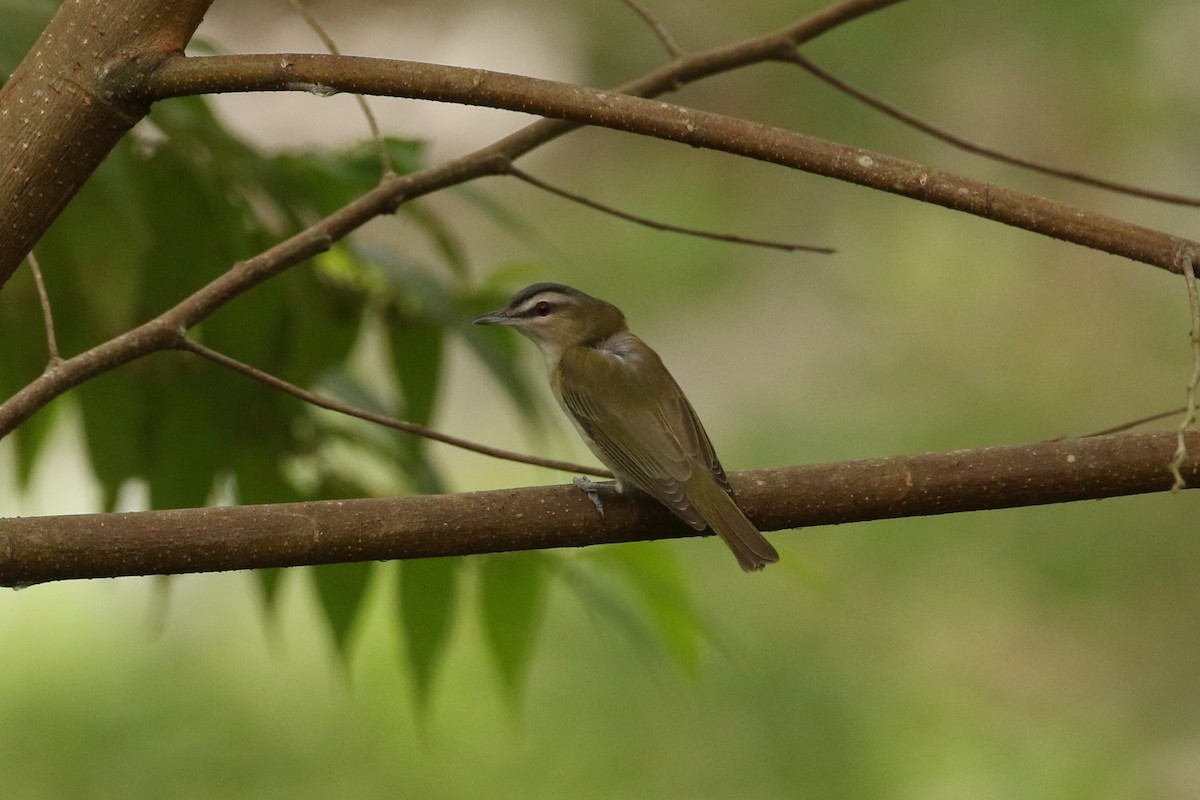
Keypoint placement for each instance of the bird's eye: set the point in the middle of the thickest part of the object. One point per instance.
(542, 309)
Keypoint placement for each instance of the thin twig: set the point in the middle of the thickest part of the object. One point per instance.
(47, 316)
(511, 169)
(1187, 263)
(1124, 426)
(660, 30)
(412, 428)
(972, 147)
(385, 159)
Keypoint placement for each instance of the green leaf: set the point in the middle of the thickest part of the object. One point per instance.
(29, 439)
(113, 424)
(498, 350)
(24, 353)
(428, 593)
(664, 592)
(324, 181)
(512, 604)
(416, 352)
(441, 234)
(341, 591)
(185, 437)
(270, 581)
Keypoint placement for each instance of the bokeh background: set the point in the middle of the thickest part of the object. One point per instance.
(1047, 652)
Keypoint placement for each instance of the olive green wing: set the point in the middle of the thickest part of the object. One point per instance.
(639, 421)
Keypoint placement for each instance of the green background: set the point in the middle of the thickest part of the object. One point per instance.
(1047, 652)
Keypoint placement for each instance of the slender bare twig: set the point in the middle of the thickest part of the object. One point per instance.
(1125, 426)
(312, 398)
(1187, 263)
(385, 159)
(973, 147)
(516, 172)
(660, 30)
(47, 316)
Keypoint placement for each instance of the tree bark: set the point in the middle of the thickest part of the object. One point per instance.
(59, 117)
(38, 549)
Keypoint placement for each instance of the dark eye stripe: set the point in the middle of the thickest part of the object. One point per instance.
(539, 308)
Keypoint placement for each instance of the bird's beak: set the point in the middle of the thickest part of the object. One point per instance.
(500, 317)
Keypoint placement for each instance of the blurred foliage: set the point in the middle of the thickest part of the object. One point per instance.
(174, 206)
(1045, 652)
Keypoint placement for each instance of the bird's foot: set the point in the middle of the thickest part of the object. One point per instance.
(593, 490)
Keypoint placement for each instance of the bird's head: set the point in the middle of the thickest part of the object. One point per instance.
(556, 317)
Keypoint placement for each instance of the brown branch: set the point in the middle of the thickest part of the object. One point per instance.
(385, 158)
(1124, 426)
(58, 120)
(320, 401)
(516, 172)
(1189, 416)
(37, 549)
(47, 314)
(609, 109)
(954, 140)
(166, 330)
(656, 26)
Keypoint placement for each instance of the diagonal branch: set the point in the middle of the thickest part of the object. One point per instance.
(47, 313)
(38, 549)
(520, 174)
(215, 74)
(411, 428)
(954, 140)
(656, 26)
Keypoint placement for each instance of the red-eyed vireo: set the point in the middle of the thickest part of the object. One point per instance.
(631, 412)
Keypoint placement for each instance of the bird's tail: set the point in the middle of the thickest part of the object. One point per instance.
(752, 549)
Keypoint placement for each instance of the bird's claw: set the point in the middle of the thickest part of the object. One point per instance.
(592, 490)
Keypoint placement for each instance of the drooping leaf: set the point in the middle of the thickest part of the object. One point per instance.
(341, 590)
(427, 596)
(602, 596)
(664, 592)
(114, 424)
(512, 605)
(24, 353)
(270, 581)
(29, 439)
(498, 350)
(326, 181)
(416, 349)
(442, 235)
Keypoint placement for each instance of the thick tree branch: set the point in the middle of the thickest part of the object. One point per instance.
(39, 549)
(609, 109)
(58, 117)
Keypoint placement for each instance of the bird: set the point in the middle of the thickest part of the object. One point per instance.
(631, 413)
